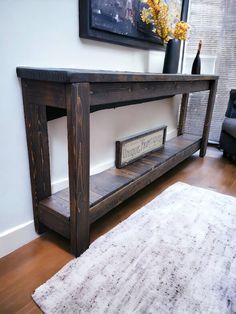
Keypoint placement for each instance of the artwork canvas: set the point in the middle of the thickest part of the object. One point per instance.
(119, 21)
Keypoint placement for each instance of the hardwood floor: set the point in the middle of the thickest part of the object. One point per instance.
(28, 267)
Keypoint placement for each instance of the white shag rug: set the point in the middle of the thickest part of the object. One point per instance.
(175, 255)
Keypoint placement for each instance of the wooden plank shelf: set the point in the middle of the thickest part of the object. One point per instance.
(51, 93)
(122, 182)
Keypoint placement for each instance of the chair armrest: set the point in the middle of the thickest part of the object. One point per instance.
(231, 109)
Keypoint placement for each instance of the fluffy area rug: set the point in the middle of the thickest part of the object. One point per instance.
(175, 255)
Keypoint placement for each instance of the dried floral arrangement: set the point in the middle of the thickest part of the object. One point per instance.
(165, 21)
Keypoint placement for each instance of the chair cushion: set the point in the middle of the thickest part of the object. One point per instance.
(229, 126)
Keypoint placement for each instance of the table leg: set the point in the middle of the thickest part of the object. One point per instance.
(38, 152)
(78, 111)
(208, 116)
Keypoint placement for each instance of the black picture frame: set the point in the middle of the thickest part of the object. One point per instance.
(87, 31)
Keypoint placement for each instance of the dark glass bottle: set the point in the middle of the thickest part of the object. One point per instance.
(196, 68)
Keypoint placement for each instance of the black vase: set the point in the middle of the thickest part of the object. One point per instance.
(171, 62)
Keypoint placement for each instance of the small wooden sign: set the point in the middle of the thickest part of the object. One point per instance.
(136, 147)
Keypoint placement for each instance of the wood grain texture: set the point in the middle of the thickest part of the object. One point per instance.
(131, 93)
(111, 187)
(208, 117)
(38, 152)
(22, 271)
(57, 220)
(77, 97)
(79, 76)
(77, 93)
(119, 196)
(46, 93)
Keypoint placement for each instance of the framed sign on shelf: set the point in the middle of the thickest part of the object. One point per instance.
(119, 22)
(135, 147)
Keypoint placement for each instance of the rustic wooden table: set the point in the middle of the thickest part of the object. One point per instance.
(51, 93)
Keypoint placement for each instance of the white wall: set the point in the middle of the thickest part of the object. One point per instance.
(45, 33)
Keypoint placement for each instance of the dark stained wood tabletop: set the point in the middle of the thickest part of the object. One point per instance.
(82, 75)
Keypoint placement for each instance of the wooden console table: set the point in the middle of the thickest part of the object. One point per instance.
(51, 93)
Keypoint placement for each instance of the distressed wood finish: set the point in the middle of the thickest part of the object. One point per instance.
(131, 93)
(46, 93)
(54, 213)
(63, 75)
(111, 187)
(77, 96)
(208, 116)
(38, 152)
(157, 171)
(52, 93)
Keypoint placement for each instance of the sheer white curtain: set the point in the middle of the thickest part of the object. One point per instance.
(214, 22)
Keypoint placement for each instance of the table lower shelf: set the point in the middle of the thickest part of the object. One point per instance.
(111, 187)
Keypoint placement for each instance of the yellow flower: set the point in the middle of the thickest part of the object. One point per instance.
(181, 30)
(157, 13)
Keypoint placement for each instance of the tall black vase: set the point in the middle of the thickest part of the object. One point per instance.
(171, 62)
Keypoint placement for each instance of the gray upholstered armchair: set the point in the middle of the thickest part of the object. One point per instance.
(228, 133)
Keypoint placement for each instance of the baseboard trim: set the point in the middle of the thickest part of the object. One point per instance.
(14, 238)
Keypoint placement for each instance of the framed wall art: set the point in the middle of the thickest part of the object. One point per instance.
(119, 22)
